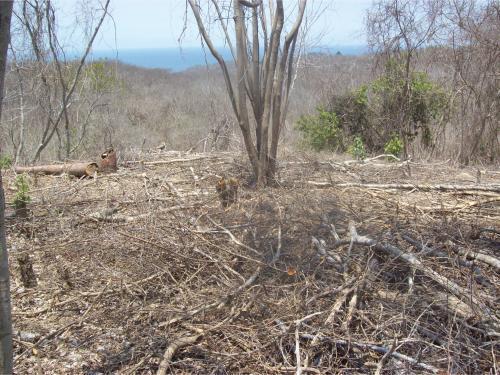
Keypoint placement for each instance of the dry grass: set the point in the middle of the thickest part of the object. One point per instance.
(115, 291)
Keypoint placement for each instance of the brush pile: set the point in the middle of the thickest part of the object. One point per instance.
(373, 267)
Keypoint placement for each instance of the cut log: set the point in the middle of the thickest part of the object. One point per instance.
(108, 163)
(74, 169)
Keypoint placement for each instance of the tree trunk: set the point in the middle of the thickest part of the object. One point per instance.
(5, 312)
(262, 82)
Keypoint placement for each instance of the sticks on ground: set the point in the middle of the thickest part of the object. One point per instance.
(172, 349)
(421, 187)
(480, 309)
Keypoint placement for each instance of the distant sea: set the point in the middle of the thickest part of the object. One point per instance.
(179, 59)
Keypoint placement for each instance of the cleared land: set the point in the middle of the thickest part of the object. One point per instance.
(142, 270)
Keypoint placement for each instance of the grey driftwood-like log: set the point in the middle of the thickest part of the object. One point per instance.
(422, 187)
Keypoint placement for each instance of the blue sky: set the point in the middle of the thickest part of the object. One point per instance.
(158, 23)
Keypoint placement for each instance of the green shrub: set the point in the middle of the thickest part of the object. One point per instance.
(353, 112)
(321, 131)
(357, 148)
(394, 146)
(409, 105)
(22, 192)
(5, 161)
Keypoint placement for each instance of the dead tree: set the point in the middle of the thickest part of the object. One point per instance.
(5, 312)
(264, 81)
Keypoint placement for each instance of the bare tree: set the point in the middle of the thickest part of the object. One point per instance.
(264, 81)
(472, 31)
(5, 311)
(58, 77)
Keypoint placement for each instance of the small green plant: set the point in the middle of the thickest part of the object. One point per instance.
(321, 131)
(357, 148)
(394, 146)
(5, 161)
(22, 198)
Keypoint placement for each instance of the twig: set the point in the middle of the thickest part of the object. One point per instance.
(233, 237)
(487, 259)
(172, 348)
(382, 361)
(297, 339)
(320, 246)
(338, 304)
(378, 349)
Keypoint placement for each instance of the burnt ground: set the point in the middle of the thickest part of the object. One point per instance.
(132, 263)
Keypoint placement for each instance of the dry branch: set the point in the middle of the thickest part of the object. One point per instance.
(172, 348)
(485, 258)
(230, 296)
(422, 187)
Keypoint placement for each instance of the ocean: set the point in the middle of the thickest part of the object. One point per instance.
(177, 59)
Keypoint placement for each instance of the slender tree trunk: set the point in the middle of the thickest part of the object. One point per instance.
(5, 313)
(268, 93)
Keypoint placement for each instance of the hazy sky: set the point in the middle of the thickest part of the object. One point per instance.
(158, 23)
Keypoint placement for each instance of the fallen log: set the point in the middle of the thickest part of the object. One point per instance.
(108, 163)
(74, 169)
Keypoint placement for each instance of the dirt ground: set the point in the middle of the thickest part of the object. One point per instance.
(145, 264)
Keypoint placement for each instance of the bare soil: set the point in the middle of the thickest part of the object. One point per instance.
(132, 263)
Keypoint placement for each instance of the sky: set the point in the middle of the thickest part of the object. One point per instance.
(159, 23)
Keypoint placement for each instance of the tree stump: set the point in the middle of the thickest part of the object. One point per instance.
(28, 276)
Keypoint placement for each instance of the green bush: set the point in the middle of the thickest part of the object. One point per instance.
(321, 131)
(22, 192)
(395, 103)
(394, 146)
(5, 161)
(357, 148)
(353, 112)
(408, 106)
